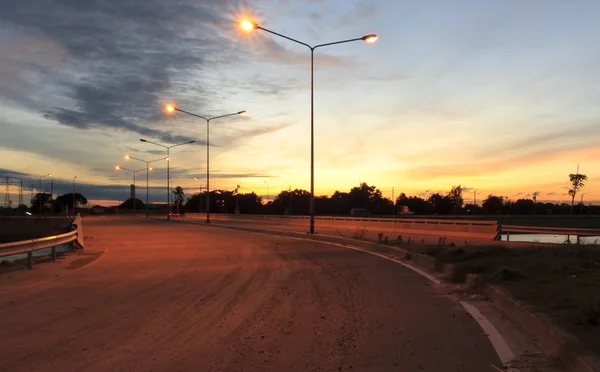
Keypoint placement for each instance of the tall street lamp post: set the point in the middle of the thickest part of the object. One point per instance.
(168, 168)
(41, 201)
(172, 109)
(200, 193)
(118, 167)
(266, 183)
(127, 157)
(73, 194)
(249, 26)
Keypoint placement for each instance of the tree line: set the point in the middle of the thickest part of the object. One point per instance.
(370, 198)
(364, 197)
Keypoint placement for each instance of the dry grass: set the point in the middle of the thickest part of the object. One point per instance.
(562, 282)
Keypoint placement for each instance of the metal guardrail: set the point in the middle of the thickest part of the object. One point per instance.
(356, 219)
(508, 229)
(480, 229)
(32, 245)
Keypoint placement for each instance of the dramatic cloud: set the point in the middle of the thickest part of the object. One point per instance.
(123, 55)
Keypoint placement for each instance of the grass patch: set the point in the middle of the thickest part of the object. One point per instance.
(562, 282)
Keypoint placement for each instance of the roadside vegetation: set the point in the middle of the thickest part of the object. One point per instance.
(560, 281)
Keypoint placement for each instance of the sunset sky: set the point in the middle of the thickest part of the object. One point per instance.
(498, 96)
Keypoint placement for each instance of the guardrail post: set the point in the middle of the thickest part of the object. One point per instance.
(30, 260)
(53, 253)
(498, 231)
(508, 236)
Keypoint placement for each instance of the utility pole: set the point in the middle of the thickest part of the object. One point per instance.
(475, 197)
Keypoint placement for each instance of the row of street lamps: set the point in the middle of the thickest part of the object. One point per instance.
(248, 25)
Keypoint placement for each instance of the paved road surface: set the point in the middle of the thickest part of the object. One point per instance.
(183, 297)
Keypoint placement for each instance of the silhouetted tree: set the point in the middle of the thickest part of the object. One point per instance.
(522, 206)
(414, 203)
(493, 204)
(44, 199)
(298, 200)
(67, 200)
(577, 183)
(441, 204)
(179, 195)
(455, 196)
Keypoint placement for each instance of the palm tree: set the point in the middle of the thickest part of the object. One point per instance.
(179, 196)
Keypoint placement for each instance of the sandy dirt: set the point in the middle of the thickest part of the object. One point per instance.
(181, 297)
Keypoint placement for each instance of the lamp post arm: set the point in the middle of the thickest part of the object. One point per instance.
(285, 37)
(181, 144)
(154, 161)
(190, 113)
(154, 143)
(222, 116)
(337, 42)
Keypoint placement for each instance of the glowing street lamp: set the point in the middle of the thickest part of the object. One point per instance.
(248, 25)
(170, 108)
(168, 168)
(148, 168)
(118, 167)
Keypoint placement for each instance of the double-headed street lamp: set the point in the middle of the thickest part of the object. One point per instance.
(249, 26)
(168, 169)
(41, 201)
(127, 157)
(172, 109)
(118, 167)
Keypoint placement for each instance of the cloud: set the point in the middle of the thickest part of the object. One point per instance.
(12, 174)
(315, 17)
(360, 12)
(122, 55)
(506, 163)
(570, 138)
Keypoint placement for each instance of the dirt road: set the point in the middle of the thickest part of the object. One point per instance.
(183, 297)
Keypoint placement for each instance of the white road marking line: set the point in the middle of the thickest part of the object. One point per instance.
(498, 343)
(502, 349)
(410, 267)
